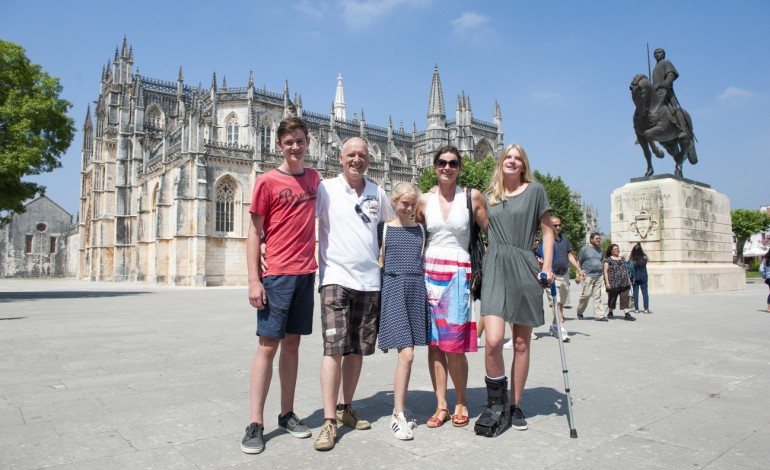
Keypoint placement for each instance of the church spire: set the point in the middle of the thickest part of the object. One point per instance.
(436, 112)
(124, 50)
(339, 101)
(180, 83)
(87, 126)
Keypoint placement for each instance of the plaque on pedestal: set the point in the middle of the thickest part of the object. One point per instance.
(685, 229)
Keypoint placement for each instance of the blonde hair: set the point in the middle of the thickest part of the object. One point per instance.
(496, 191)
(403, 188)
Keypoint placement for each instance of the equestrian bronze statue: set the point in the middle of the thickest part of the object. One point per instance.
(655, 120)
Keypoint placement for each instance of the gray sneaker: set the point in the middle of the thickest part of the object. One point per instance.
(518, 422)
(252, 442)
(291, 424)
(349, 417)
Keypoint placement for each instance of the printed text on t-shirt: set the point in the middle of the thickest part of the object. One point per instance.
(286, 197)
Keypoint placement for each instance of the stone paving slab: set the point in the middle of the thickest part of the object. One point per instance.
(105, 375)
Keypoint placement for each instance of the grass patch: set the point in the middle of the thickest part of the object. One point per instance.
(753, 275)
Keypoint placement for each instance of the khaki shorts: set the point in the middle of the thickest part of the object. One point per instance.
(349, 320)
(562, 288)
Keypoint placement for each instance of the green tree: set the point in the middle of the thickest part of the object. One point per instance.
(564, 207)
(473, 175)
(606, 241)
(745, 224)
(34, 127)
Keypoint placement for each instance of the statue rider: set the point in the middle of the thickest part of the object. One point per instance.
(663, 76)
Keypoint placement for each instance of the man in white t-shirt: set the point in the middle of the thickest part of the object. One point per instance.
(349, 208)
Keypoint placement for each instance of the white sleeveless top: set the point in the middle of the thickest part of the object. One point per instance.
(455, 231)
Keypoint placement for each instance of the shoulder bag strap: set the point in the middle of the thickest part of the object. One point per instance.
(469, 203)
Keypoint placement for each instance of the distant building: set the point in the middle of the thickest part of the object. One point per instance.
(590, 214)
(168, 169)
(34, 243)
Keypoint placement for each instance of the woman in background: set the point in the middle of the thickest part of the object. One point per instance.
(616, 281)
(639, 262)
(764, 270)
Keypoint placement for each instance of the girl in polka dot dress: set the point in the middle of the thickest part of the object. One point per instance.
(404, 318)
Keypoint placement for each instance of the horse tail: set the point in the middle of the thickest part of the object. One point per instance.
(692, 155)
(689, 124)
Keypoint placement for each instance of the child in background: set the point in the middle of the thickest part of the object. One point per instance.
(404, 317)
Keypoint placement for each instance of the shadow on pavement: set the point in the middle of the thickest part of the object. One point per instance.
(43, 295)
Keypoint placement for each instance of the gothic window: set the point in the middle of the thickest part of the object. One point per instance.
(28, 244)
(265, 138)
(225, 207)
(232, 131)
(154, 118)
(154, 122)
(53, 245)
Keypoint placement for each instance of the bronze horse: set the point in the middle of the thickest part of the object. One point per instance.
(655, 121)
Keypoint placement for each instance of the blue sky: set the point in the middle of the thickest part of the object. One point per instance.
(559, 69)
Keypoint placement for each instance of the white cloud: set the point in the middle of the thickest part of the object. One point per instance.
(549, 96)
(312, 9)
(361, 13)
(469, 21)
(733, 94)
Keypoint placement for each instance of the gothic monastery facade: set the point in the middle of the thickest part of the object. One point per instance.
(168, 169)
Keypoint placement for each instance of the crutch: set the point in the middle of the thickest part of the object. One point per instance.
(570, 418)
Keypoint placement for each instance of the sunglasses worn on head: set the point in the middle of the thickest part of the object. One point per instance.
(441, 163)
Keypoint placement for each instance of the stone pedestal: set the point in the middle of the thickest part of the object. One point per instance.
(685, 230)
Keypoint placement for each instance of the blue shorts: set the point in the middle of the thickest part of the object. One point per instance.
(289, 307)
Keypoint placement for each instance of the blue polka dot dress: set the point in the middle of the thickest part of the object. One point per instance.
(404, 317)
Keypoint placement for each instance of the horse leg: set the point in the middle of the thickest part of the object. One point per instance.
(649, 136)
(658, 152)
(675, 150)
(645, 144)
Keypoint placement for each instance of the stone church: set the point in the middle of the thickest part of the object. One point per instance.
(168, 168)
(35, 242)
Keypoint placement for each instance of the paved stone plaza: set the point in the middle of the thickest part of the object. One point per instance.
(100, 375)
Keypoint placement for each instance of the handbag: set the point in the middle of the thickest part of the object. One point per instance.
(476, 250)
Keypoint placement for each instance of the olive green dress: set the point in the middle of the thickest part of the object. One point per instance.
(510, 289)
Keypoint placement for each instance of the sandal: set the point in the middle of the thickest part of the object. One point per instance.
(439, 417)
(460, 419)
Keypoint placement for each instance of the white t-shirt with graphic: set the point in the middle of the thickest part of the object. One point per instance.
(347, 236)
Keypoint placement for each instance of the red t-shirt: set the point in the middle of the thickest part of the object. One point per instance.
(287, 203)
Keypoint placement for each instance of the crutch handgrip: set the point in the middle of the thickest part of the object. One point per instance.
(543, 278)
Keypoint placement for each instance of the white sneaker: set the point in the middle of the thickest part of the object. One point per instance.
(534, 336)
(508, 344)
(552, 330)
(564, 335)
(410, 419)
(401, 429)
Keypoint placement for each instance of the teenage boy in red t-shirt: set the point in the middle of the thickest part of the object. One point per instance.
(283, 218)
